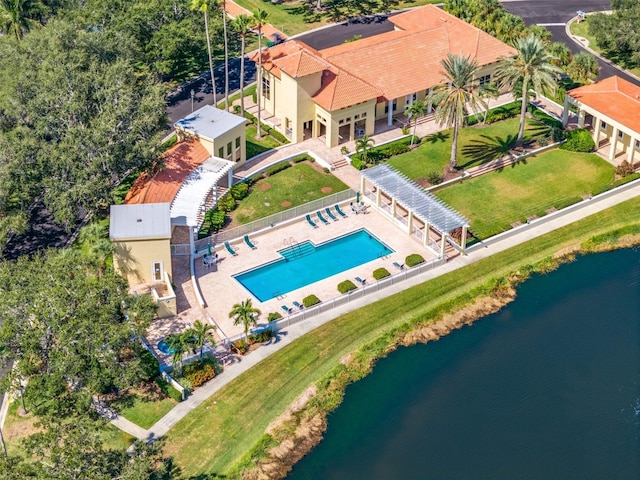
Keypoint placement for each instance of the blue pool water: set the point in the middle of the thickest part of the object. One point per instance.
(164, 348)
(307, 263)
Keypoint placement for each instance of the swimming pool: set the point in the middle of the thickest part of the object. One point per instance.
(306, 263)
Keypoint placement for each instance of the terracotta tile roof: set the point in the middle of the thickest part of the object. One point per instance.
(412, 57)
(179, 161)
(614, 97)
(301, 63)
(271, 55)
(340, 89)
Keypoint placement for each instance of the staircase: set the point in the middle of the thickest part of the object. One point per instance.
(209, 203)
(297, 250)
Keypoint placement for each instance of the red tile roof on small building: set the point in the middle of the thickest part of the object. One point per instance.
(389, 65)
(614, 97)
(179, 161)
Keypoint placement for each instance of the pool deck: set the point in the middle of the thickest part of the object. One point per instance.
(221, 291)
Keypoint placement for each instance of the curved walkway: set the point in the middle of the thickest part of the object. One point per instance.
(492, 246)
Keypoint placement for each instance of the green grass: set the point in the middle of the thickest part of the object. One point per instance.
(298, 184)
(115, 439)
(554, 179)
(215, 436)
(289, 19)
(255, 146)
(143, 410)
(476, 145)
(582, 30)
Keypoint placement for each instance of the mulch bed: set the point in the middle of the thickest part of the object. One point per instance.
(326, 189)
(264, 186)
(286, 203)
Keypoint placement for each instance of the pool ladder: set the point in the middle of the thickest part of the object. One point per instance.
(293, 245)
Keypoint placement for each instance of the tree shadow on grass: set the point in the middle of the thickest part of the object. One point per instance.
(489, 148)
(436, 137)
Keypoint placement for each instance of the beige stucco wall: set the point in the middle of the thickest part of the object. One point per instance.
(238, 155)
(134, 258)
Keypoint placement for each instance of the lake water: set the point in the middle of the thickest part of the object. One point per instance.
(547, 388)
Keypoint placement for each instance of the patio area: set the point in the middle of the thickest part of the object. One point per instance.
(221, 291)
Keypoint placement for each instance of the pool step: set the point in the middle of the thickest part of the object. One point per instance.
(298, 250)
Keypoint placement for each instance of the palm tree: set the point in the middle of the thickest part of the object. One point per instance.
(363, 145)
(179, 344)
(244, 313)
(259, 20)
(583, 67)
(18, 16)
(203, 6)
(242, 23)
(201, 333)
(226, 54)
(530, 67)
(456, 95)
(415, 111)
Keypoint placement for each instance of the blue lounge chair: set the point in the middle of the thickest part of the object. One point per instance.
(340, 212)
(229, 249)
(331, 215)
(361, 281)
(311, 222)
(298, 305)
(398, 266)
(249, 243)
(321, 218)
(286, 308)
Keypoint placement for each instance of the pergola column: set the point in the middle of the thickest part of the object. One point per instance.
(614, 143)
(229, 178)
(443, 244)
(378, 197)
(410, 222)
(596, 131)
(565, 112)
(393, 208)
(192, 242)
(463, 240)
(362, 185)
(581, 116)
(352, 131)
(632, 150)
(425, 238)
(390, 112)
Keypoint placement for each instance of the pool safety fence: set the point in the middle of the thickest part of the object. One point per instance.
(367, 289)
(264, 223)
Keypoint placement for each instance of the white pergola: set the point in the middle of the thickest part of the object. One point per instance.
(194, 190)
(418, 203)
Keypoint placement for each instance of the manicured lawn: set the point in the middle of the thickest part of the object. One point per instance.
(288, 19)
(289, 188)
(554, 179)
(255, 146)
(115, 439)
(215, 436)
(476, 145)
(143, 410)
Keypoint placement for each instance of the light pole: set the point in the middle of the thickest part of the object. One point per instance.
(193, 94)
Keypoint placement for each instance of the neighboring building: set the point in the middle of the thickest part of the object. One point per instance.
(141, 237)
(339, 93)
(221, 133)
(611, 107)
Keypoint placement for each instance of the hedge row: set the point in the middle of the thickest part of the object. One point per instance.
(267, 129)
(388, 150)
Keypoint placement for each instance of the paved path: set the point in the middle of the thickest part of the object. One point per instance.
(478, 252)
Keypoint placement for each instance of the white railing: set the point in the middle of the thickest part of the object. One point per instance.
(322, 307)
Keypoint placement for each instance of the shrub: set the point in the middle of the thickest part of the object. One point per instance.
(556, 134)
(310, 301)
(236, 109)
(278, 136)
(226, 203)
(215, 219)
(261, 336)
(239, 190)
(544, 118)
(301, 158)
(358, 164)
(241, 346)
(273, 316)
(380, 273)
(277, 168)
(344, 150)
(624, 169)
(434, 178)
(395, 149)
(413, 260)
(198, 373)
(253, 119)
(346, 286)
(405, 129)
(579, 140)
(168, 389)
(326, 170)
(149, 365)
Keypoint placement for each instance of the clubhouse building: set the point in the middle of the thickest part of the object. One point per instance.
(343, 92)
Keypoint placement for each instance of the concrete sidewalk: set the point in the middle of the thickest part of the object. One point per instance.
(484, 250)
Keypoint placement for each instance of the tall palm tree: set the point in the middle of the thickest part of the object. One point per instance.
(244, 313)
(532, 66)
(415, 111)
(259, 20)
(242, 23)
(18, 16)
(459, 92)
(201, 333)
(179, 344)
(203, 6)
(226, 54)
(363, 145)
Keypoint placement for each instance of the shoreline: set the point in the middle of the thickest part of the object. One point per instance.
(301, 427)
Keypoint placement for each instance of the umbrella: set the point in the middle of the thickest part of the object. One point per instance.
(208, 249)
(357, 197)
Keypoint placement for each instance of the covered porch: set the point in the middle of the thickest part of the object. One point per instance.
(418, 213)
